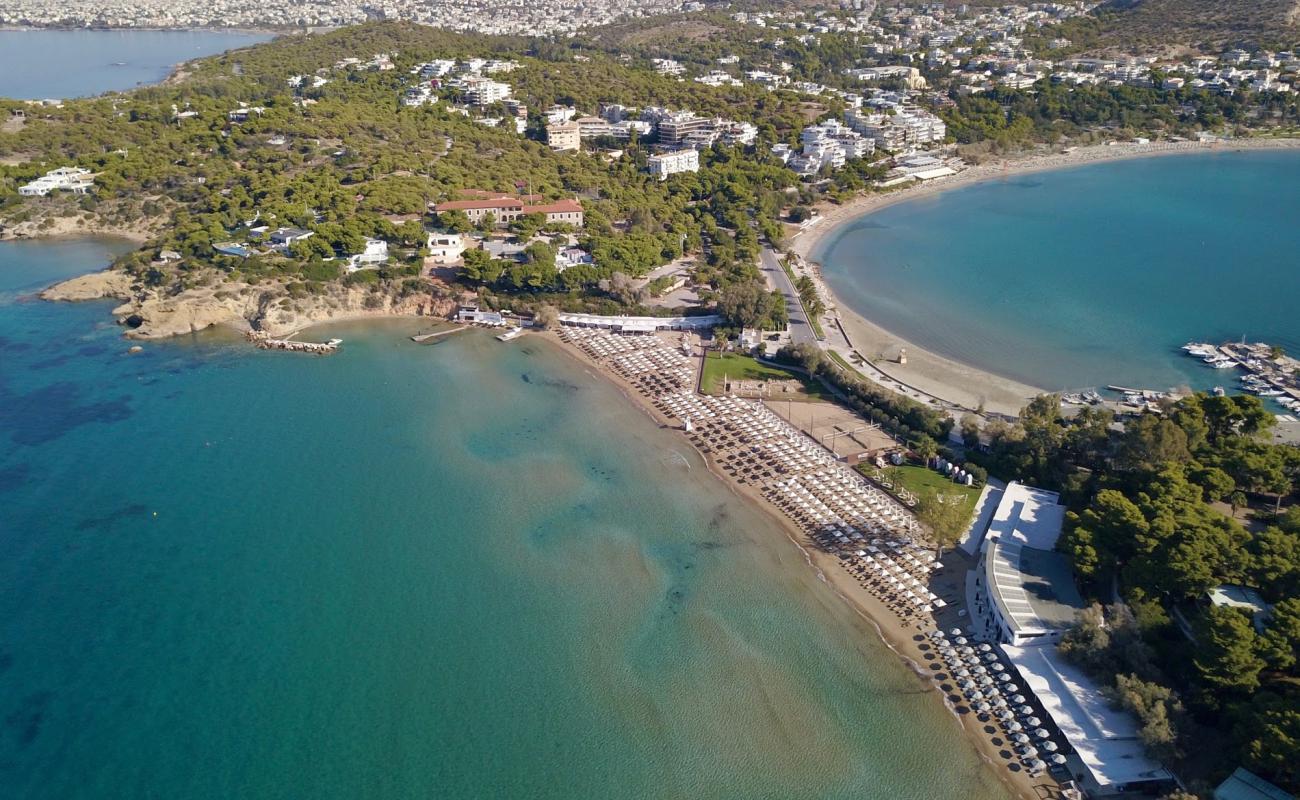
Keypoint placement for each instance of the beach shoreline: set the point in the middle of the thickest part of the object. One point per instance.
(957, 385)
(901, 637)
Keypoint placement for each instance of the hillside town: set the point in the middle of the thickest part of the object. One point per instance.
(653, 223)
(483, 16)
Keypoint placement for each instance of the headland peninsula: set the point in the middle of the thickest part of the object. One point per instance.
(639, 190)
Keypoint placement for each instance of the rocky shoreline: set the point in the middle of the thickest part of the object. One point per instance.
(152, 313)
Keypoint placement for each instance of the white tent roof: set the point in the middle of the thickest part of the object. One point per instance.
(1105, 739)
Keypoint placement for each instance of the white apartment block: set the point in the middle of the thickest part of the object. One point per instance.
(479, 91)
(664, 164)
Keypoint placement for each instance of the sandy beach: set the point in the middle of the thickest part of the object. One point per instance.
(903, 638)
(954, 384)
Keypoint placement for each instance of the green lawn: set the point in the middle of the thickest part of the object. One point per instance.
(924, 482)
(741, 367)
(839, 359)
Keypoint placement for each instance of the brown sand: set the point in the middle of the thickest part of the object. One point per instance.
(959, 384)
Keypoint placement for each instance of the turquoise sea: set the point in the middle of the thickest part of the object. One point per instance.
(39, 64)
(468, 570)
(1088, 276)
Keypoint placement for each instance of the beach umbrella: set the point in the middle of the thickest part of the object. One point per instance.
(975, 694)
(1023, 709)
(1011, 687)
(1049, 746)
(965, 683)
(1058, 759)
(984, 648)
(960, 640)
(1033, 722)
(999, 702)
(1037, 764)
(1020, 738)
(984, 680)
(1006, 715)
(963, 673)
(990, 657)
(1004, 677)
(979, 669)
(1015, 727)
(955, 631)
(1018, 699)
(983, 708)
(1029, 751)
(1042, 733)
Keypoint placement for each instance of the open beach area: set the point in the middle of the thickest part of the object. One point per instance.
(931, 373)
(865, 544)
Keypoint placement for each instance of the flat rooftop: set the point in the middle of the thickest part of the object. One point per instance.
(1028, 516)
(1034, 588)
(1105, 739)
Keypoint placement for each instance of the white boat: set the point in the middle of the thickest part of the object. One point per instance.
(1200, 349)
(513, 333)
(1221, 363)
(1271, 393)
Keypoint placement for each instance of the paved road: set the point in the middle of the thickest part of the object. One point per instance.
(800, 330)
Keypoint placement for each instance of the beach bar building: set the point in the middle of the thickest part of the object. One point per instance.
(640, 324)
(1108, 758)
(1023, 590)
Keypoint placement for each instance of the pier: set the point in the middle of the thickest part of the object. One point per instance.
(421, 338)
(264, 341)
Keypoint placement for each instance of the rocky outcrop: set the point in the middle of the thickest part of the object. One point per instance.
(95, 286)
(153, 313)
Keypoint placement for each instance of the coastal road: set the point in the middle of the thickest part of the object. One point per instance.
(800, 330)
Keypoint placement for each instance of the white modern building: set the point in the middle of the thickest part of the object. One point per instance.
(479, 91)
(65, 179)
(445, 248)
(828, 144)
(373, 254)
(1108, 758)
(640, 324)
(1024, 591)
(661, 165)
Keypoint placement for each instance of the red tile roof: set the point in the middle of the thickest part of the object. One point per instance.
(463, 205)
(507, 202)
(559, 206)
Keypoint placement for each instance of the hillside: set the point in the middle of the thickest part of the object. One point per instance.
(1204, 24)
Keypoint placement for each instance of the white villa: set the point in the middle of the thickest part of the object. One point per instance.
(445, 248)
(66, 179)
(374, 254)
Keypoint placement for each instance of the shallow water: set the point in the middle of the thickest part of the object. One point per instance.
(458, 571)
(1087, 276)
(40, 64)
